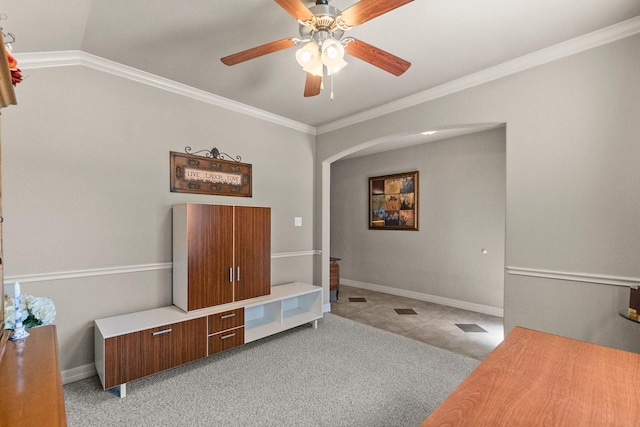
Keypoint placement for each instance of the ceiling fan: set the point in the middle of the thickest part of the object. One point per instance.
(322, 29)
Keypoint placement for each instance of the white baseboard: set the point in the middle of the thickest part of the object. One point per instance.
(326, 308)
(478, 308)
(79, 373)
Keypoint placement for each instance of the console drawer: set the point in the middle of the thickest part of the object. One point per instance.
(226, 320)
(226, 340)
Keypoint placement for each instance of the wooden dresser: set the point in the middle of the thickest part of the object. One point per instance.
(30, 383)
(537, 379)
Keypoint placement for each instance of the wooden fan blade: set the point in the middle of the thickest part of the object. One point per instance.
(378, 57)
(313, 85)
(366, 10)
(255, 52)
(296, 9)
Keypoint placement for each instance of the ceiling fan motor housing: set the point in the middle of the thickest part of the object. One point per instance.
(323, 25)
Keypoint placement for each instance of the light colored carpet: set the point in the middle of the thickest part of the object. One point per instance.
(342, 374)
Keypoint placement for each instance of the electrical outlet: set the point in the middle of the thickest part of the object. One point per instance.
(298, 221)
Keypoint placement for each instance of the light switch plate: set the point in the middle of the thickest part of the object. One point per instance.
(298, 221)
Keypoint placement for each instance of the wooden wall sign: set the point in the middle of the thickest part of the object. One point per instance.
(206, 175)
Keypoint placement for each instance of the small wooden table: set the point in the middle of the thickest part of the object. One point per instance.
(30, 384)
(334, 278)
(538, 379)
(625, 314)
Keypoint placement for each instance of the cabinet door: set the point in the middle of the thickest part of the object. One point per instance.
(173, 345)
(123, 359)
(252, 252)
(135, 355)
(210, 259)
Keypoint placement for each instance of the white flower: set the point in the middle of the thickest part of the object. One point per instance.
(9, 312)
(35, 311)
(42, 309)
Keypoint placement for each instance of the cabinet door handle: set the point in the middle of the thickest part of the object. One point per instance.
(230, 275)
(238, 274)
(166, 331)
(226, 316)
(227, 336)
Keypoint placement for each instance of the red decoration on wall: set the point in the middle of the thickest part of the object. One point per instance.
(16, 75)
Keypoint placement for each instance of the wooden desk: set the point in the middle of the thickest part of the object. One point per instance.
(537, 379)
(30, 384)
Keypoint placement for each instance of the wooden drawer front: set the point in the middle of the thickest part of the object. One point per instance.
(135, 355)
(226, 340)
(226, 320)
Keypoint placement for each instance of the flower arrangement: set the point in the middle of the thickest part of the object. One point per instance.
(16, 75)
(36, 311)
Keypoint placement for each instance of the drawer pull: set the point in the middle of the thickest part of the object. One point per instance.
(226, 316)
(166, 331)
(227, 336)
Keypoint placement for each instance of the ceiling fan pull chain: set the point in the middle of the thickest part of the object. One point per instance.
(331, 97)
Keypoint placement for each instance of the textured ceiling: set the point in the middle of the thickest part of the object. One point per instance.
(184, 40)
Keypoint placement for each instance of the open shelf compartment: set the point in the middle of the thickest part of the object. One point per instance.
(262, 320)
(301, 309)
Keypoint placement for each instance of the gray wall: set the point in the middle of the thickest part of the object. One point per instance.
(461, 212)
(572, 178)
(85, 189)
(85, 193)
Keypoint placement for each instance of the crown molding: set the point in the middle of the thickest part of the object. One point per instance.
(594, 39)
(36, 60)
(570, 47)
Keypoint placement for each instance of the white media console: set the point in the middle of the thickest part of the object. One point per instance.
(135, 345)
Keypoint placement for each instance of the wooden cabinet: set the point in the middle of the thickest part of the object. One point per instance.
(138, 354)
(221, 254)
(30, 383)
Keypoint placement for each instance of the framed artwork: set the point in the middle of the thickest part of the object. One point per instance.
(393, 202)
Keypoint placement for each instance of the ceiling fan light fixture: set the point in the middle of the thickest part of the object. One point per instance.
(335, 68)
(308, 55)
(332, 53)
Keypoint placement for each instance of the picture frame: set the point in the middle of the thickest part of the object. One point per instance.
(393, 201)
